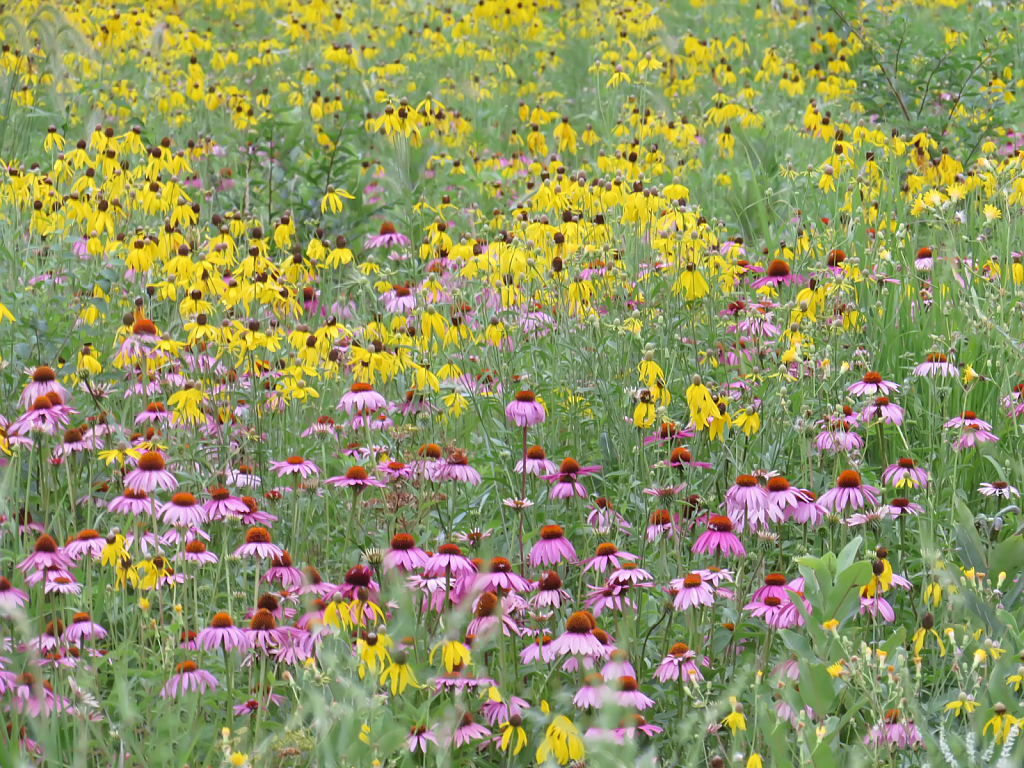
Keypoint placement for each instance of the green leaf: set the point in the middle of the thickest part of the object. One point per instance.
(849, 554)
(845, 595)
(1007, 557)
(895, 641)
(816, 687)
(776, 742)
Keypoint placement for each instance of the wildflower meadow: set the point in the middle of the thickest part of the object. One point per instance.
(429, 383)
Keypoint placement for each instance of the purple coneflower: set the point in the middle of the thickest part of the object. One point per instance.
(10, 597)
(524, 410)
(849, 492)
(893, 733)
(905, 472)
(183, 510)
(719, 537)
(936, 364)
(606, 556)
(83, 627)
(222, 633)
(888, 413)
(404, 554)
(577, 638)
(778, 273)
(188, 677)
(150, 474)
(356, 478)
(537, 463)
(87, 542)
(387, 237)
(361, 397)
(872, 384)
(549, 592)
(456, 468)
(45, 554)
(999, 489)
(257, 544)
(195, 552)
(682, 458)
(629, 695)
(262, 632)
(419, 735)
(448, 560)
(130, 503)
(500, 576)
(678, 662)
(552, 548)
(746, 498)
(223, 506)
(295, 465)
(593, 693)
(44, 381)
(973, 435)
(691, 592)
(468, 731)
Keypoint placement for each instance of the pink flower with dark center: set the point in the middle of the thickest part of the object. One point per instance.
(500, 576)
(552, 548)
(872, 384)
(386, 237)
(578, 638)
(746, 498)
(404, 554)
(419, 736)
(777, 273)
(150, 474)
(607, 555)
(934, 365)
(295, 465)
(524, 410)
(355, 478)
(258, 544)
(692, 592)
(678, 662)
(188, 678)
(593, 693)
(44, 381)
(448, 560)
(45, 554)
(549, 592)
(183, 510)
(82, 627)
(87, 542)
(629, 695)
(719, 538)
(973, 436)
(999, 489)
(455, 468)
(905, 472)
(849, 492)
(361, 397)
(223, 506)
(537, 463)
(883, 411)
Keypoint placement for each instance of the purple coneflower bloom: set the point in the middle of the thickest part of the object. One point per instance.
(905, 472)
(355, 478)
(130, 503)
(593, 693)
(500, 576)
(295, 465)
(999, 489)
(83, 627)
(257, 544)
(549, 592)
(882, 409)
(552, 548)
(468, 731)
(902, 735)
(524, 410)
(973, 435)
(150, 474)
(222, 633)
(872, 384)
(745, 498)
(898, 507)
(691, 592)
(10, 597)
(262, 632)
(419, 735)
(195, 552)
(537, 463)
(968, 419)
(223, 506)
(679, 661)
(876, 606)
(45, 554)
(88, 542)
(361, 397)
(849, 492)
(188, 677)
(44, 381)
(719, 537)
(448, 560)
(934, 365)
(183, 510)
(404, 554)
(386, 237)
(629, 695)
(456, 467)
(578, 638)
(778, 273)
(607, 555)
